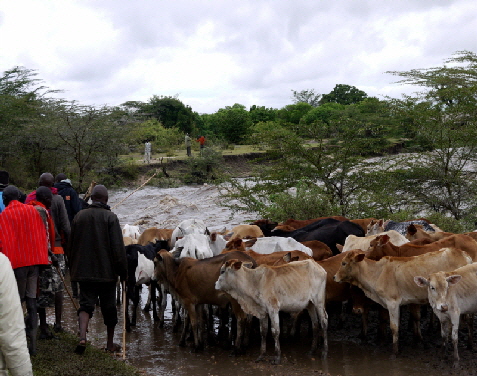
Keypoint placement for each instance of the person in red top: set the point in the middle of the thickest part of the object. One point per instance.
(201, 140)
(51, 278)
(23, 240)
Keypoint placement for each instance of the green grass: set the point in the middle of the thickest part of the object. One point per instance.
(56, 357)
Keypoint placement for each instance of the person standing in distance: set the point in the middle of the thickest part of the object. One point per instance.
(188, 144)
(147, 152)
(97, 257)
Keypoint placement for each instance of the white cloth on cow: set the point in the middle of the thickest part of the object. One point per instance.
(194, 245)
(277, 243)
(186, 227)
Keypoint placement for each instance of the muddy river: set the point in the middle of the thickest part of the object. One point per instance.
(155, 350)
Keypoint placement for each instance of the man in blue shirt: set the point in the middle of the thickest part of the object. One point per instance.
(4, 179)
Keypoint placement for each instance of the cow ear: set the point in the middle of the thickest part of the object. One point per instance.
(207, 232)
(360, 257)
(248, 265)
(421, 281)
(287, 258)
(411, 229)
(213, 236)
(383, 239)
(237, 243)
(228, 263)
(340, 247)
(381, 222)
(237, 264)
(453, 279)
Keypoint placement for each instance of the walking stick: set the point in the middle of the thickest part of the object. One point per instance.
(66, 287)
(124, 319)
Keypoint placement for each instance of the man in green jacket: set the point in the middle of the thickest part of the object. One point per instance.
(97, 257)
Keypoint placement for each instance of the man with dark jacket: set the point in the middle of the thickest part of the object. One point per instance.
(70, 196)
(97, 257)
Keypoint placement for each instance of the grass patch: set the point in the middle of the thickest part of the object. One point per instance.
(56, 357)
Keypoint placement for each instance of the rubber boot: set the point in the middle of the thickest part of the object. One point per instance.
(31, 324)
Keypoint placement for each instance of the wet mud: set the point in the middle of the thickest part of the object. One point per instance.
(156, 351)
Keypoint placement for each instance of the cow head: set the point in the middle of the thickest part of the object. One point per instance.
(349, 266)
(437, 289)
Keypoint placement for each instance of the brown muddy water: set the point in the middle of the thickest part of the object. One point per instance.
(155, 351)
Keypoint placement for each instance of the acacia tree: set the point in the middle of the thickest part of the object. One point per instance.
(331, 172)
(21, 98)
(88, 135)
(306, 96)
(444, 112)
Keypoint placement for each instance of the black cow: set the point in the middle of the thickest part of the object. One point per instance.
(132, 290)
(329, 231)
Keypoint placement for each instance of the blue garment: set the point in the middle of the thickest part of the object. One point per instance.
(2, 206)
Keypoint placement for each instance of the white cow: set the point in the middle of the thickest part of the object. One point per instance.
(450, 295)
(266, 290)
(273, 244)
(217, 243)
(131, 231)
(193, 245)
(360, 242)
(186, 227)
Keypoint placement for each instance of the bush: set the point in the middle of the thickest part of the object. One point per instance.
(204, 168)
(304, 203)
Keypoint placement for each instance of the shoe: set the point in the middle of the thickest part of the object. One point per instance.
(116, 348)
(48, 335)
(81, 347)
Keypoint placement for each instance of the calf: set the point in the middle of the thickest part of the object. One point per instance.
(389, 281)
(451, 294)
(266, 290)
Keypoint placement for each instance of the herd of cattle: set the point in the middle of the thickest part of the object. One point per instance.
(267, 270)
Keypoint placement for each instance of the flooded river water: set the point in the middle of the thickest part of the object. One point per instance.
(155, 350)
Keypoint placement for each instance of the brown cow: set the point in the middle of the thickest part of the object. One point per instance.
(244, 232)
(151, 235)
(381, 247)
(364, 222)
(193, 282)
(320, 250)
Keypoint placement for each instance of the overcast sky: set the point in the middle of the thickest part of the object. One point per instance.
(213, 53)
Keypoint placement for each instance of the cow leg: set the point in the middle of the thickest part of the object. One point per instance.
(153, 289)
(162, 304)
(263, 334)
(223, 332)
(147, 307)
(394, 325)
(445, 332)
(195, 313)
(176, 316)
(185, 328)
(275, 321)
(455, 317)
(137, 292)
(312, 311)
(323, 316)
(415, 310)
